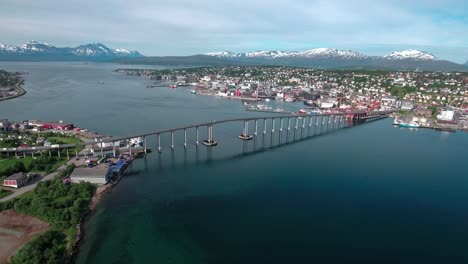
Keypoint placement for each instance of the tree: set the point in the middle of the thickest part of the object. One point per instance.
(19, 166)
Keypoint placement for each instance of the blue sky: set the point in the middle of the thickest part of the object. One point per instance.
(184, 27)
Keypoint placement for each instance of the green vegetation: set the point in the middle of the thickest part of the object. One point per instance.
(4, 193)
(400, 92)
(60, 204)
(43, 164)
(8, 79)
(63, 140)
(49, 247)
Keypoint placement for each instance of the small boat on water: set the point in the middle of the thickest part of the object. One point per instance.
(396, 122)
(193, 91)
(173, 86)
(409, 125)
(302, 111)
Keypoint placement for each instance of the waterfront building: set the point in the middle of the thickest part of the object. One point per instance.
(446, 115)
(16, 180)
(92, 175)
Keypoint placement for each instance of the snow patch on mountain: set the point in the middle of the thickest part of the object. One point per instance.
(273, 54)
(410, 54)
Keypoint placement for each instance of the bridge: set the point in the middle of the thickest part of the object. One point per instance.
(291, 125)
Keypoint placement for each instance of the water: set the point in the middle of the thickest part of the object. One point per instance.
(370, 194)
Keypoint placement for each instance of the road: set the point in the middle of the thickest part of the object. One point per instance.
(31, 186)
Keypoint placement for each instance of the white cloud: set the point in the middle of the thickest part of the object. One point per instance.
(184, 27)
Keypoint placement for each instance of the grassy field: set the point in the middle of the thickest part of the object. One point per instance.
(64, 140)
(10, 164)
(4, 193)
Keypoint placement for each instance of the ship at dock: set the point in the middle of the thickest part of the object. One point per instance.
(409, 124)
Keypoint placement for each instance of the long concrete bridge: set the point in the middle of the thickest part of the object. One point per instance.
(260, 126)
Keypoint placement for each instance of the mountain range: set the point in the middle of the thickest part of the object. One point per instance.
(36, 51)
(324, 58)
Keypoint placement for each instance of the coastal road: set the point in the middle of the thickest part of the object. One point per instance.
(31, 186)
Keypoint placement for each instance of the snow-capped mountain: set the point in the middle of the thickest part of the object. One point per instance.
(34, 50)
(274, 54)
(326, 52)
(410, 54)
(36, 46)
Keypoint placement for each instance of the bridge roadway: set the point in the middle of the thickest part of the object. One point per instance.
(357, 116)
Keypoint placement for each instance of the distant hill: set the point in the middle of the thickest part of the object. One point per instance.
(36, 51)
(323, 58)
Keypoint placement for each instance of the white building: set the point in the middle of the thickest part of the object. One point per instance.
(446, 115)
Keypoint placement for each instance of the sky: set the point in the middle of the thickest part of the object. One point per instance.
(186, 27)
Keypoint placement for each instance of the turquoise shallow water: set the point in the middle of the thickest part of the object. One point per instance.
(370, 194)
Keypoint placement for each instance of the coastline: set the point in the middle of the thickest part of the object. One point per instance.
(93, 203)
(19, 88)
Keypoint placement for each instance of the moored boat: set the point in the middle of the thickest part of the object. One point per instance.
(409, 124)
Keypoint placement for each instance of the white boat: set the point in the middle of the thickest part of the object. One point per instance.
(409, 125)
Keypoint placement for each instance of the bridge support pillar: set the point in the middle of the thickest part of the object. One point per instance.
(197, 135)
(130, 149)
(289, 129)
(113, 150)
(172, 140)
(295, 128)
(272, 127)
(102, 151)
(280, 131)
(24, 154)
(145, 145)
(68, 155)
(302, 129)
(210, 142)
(50, 154)
(185, 138)
(245, 133)
(159, 143)
(58, 152)
(76, 154)
(310, 125)
(264, 127)
(256, 128)
(32, 153)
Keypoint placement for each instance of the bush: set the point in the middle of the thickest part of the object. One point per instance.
(49, 247)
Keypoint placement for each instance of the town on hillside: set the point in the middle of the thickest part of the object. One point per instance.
(423, 99)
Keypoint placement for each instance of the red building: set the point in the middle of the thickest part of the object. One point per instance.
(16, 180)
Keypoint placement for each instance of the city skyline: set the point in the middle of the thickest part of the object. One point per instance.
(156, 29)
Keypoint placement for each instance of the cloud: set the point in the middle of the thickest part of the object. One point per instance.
(182, 27)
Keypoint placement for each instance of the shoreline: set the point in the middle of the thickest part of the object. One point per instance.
(93, 203)
(19, 88)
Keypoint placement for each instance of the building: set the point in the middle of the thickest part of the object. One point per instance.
(92, 175)
(407, 105)
(4, 124)
(424, 112)
(51, 125)
(446, 115)
(16, 180)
